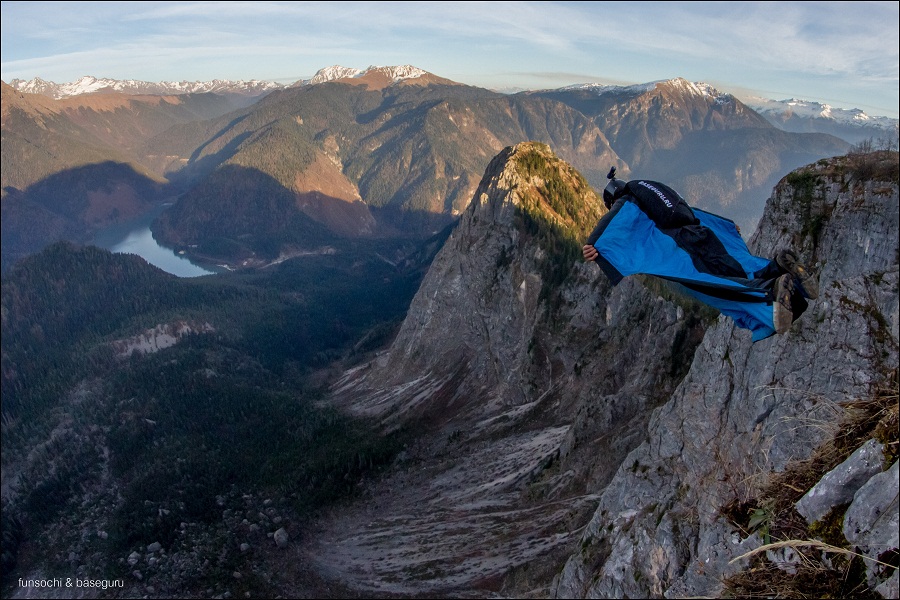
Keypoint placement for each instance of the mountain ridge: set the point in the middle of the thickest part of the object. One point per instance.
(768, 107)
(89, 84)
(774, 110)
(389, 151)
(854, 125)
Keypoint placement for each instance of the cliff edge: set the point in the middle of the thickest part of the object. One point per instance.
(747, 413)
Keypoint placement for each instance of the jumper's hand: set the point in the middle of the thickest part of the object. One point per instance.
(589, 252)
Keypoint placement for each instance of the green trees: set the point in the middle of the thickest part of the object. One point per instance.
(160, 435)
(558, 209)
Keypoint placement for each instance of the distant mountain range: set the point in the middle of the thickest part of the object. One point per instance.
(255, 87)
(798, 116)
(804, 116)
(92, 85)
(385, 152)
(793, 115)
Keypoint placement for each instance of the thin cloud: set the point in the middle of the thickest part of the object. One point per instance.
(564, 78)
(847, 50)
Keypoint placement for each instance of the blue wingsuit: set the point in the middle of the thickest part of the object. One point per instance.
(650, 229)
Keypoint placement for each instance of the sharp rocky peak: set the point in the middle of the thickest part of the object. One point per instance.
(523, 227)
(499, 352)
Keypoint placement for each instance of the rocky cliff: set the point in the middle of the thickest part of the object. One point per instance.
(749, 412)
(532, 381)
(590, 441)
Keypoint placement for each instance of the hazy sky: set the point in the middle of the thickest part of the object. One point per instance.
(840, 53)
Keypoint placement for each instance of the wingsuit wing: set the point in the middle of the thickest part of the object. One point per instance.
(708, 259)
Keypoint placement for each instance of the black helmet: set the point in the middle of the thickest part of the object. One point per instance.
(613, 190)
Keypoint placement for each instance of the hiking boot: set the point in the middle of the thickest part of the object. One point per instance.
(782, 315)
(807, 283)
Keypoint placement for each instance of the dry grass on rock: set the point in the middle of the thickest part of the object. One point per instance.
(802, 561)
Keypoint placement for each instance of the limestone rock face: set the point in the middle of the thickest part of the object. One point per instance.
(745, 410)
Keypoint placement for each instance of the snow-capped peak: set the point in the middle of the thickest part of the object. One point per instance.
(399, 73)
(697, 89)
(600, 89)
(332, 73)
(89, 85)
(812, 110)
(395, 74)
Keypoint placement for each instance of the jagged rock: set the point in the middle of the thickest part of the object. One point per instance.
(154, 547)
(134, 558)
(872, 523)
(281, 538)
(841, 483)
